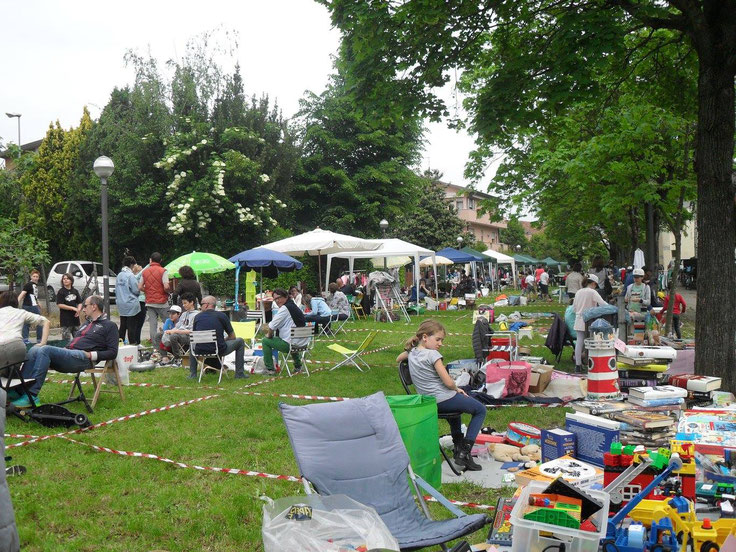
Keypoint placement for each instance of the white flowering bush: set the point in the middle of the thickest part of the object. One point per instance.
(216, 184)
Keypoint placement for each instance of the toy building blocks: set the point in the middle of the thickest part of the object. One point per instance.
(554, 510)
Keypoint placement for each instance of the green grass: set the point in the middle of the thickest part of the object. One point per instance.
(74, 498)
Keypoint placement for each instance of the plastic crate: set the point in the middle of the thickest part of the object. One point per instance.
(535, 536)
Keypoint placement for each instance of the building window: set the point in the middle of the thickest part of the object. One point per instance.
(459, 204)
(471, 203)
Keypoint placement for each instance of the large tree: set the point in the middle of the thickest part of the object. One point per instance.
(355, 170)
(532, 60)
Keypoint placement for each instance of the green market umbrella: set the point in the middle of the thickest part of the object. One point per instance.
(201, 263)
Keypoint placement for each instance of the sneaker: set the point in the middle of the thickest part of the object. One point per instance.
(297, 369)
(24, 401)
(241, 375)
(192, 377)
(13, 394)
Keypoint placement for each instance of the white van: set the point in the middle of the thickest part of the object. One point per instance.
(83, 273)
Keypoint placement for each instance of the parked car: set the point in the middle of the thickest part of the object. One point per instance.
(83, 278)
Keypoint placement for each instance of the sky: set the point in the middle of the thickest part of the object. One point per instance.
(61, 56)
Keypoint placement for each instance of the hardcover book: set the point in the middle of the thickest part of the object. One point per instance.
(658, 392)
(700, 384)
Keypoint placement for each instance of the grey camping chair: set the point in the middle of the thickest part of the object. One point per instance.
(354, 448)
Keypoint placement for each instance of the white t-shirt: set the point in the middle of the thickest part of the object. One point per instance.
(12, 321)
(530, 280)
(283, 322)
(544, 278)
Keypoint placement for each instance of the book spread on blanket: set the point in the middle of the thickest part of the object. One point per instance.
(657, 392)
(646, 420)
(674, 402)
(596, 408)
(700, 384)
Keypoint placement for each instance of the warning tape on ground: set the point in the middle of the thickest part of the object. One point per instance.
(398, 332)
(18, 436)
(465, 504)
(288, 396)
(113, 421)
(233, 471)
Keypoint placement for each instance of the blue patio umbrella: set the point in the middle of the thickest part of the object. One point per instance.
(265, 261)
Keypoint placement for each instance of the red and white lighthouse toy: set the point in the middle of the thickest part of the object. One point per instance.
(602, 369)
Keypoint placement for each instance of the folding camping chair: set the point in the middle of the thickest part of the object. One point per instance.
(256, 316)
(302, 341)
(406, 382)
(206, 337)
(357, 305)
(339, 324)
(328, 329)
(352, 355)
(354, 448)
(247, 331)
(104, 369)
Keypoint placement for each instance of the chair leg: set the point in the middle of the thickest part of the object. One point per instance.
(98, 389)
(117, 379)
(200, 366)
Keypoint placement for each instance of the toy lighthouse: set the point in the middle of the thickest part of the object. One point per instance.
(602, 370)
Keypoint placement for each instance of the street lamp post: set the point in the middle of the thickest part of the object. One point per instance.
(17, 116)
(103, 168)
(384, 226)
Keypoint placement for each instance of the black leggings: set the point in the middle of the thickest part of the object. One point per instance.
(131, 325)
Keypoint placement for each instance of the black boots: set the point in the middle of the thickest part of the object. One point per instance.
(463, 457)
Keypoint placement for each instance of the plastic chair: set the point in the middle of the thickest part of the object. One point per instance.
(351, 355)
(246, 330)
(302, 341)
(206, 337)
(354, 448)
(406, 382)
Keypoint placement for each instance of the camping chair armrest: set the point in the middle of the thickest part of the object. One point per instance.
(434, 493)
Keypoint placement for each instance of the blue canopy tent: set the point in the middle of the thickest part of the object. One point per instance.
(262, 260)
(459, 257)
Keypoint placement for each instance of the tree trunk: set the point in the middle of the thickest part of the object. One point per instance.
(715, 327)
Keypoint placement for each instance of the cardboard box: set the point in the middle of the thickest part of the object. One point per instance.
(540, 377)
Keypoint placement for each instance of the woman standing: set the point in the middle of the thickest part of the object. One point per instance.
(70, 306)
(126, 297)
(574, 280)
(585, 298)
(141, 316)
(187, 283)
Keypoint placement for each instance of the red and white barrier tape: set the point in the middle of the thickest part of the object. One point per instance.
(288, 396)
(113, 421)
(465, 504)
(18, 436)
(397, 332)
(230, 471)
(235, 471)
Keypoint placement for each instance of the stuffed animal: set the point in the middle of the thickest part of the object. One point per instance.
(507, 453)
(533, 452)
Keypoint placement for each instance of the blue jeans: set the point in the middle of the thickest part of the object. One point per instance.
(467, 405)
(27, 327)
(40, 359)
(317, 319)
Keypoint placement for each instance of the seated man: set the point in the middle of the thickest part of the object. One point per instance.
(95, 340)
(211, 319)
(177, 338)
(278, 335)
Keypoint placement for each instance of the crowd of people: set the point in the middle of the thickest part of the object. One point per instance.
(174, 307)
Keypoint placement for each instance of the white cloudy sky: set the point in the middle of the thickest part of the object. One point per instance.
(60, 56)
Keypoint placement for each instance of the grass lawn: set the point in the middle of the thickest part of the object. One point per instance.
(75, 498)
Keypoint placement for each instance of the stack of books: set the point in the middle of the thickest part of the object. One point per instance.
(638, 372)
(658, 395)
(650, 429)
(700, 388)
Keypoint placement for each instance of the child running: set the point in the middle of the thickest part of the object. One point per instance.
(430, 377)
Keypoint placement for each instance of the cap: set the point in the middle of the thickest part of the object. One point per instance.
(638, 272)
(593, 278)
(174, 308)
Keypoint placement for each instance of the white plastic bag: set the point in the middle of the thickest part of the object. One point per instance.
(314, 523)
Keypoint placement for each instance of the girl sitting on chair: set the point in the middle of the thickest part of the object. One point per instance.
(431, 378)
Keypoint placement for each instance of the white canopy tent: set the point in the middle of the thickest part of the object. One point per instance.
(503, 259)
(387, 249)
(318, 242)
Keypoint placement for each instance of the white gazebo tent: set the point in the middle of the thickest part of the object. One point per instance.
(388, 249)
(318, 242)
(503, 259)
